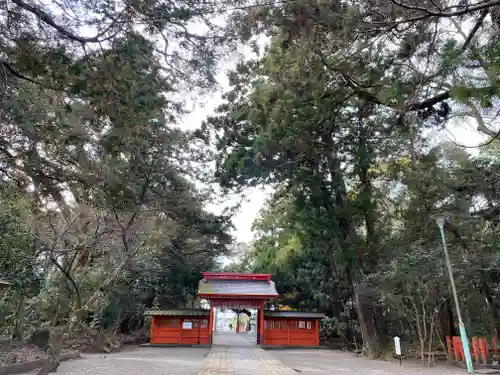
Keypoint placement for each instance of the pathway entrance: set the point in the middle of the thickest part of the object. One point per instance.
(238, 292)
(229, 338)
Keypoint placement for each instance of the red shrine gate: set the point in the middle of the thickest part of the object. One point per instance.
(235, 291)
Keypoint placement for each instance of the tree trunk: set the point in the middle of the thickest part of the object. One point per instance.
(106, 284)
(495, 313)
(55, 319)
(102, 340)
(430, 343)
(368, 204)
(53, 360)
(419, 323)
(365, 304)
(19, 327)
(447, 320)
(56, 344)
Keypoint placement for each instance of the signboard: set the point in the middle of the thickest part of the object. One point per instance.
(397, 345)
(397, 348)
(187, 325)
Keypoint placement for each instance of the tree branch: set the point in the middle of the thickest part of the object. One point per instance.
(70, 279)
(446, 12)
(49, 20)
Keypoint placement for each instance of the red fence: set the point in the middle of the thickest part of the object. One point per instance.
(179, 330)
(294, 332)
(481, 349)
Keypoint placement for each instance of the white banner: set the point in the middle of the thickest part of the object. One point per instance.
(397, 345)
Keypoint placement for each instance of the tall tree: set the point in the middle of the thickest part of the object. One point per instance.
(337, 112)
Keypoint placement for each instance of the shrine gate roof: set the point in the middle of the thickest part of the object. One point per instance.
(4, 284)
(293, 314)
(231, 284)
(178, 312)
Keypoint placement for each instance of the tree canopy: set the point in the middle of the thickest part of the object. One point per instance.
(338, 113)
(107, 194)
(104, 214)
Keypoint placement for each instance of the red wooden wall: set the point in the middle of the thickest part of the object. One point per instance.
(168, 330)
(291, 332)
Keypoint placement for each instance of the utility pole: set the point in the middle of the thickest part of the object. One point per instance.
(461, 326)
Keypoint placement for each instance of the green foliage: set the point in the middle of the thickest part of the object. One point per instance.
(337, 114)
(111, 218)
(18, 258)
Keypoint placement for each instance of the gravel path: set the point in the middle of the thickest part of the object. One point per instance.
(328, 362)
(141, 361)
(239, 360)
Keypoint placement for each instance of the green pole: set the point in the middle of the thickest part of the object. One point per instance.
(461, 326)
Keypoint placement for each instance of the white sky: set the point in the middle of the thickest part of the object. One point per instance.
(256, 197)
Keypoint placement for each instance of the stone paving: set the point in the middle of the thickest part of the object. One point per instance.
(237, 354)
(225, 338)
(240, 359)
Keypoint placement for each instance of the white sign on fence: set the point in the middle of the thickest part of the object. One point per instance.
(397, 345)
(187, 325)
